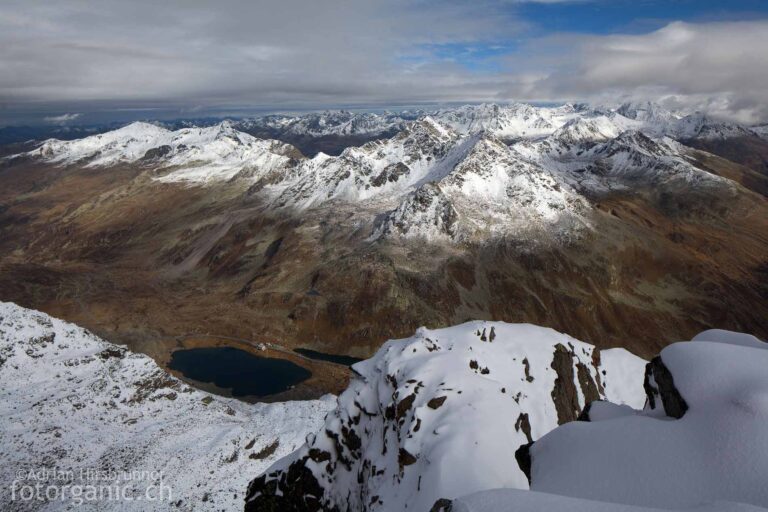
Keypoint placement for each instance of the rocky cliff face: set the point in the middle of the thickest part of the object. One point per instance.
(440, 414)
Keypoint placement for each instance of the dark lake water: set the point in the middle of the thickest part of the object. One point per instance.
(243, 373)
(322, 356)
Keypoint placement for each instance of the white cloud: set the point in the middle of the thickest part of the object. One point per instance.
(719, 67)
(309, 53)
(62, 119)
(267, 51)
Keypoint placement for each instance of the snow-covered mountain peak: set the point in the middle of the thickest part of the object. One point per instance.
(443, 185)
(636, 140)
(430, 128)
(137, 130)
(425, 213)
(202, 136)
(569, 108)
(760, 130)
(518, 120)
(586, 130)
(632, 159)
(127, 143)
(196, 154)
(646, 112)
(702, 126)
(382, 168)
(227, 128)
(331, 123)
(440, 415)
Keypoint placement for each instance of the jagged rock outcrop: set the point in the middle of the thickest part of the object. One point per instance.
(565, 393)
(426, 213)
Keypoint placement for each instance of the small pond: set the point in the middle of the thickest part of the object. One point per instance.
(243, 373)
(322, 356)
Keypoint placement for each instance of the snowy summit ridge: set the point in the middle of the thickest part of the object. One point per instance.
(441, 414)
(209, 154)
(696, 445)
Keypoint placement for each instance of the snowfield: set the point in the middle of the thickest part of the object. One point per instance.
(511, 500)
(715, 451)
(71, 401)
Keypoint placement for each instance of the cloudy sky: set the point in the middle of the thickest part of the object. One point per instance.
(78, 61)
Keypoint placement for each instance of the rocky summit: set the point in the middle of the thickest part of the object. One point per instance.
(441, 414)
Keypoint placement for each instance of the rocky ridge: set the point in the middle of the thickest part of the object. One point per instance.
(416, 432)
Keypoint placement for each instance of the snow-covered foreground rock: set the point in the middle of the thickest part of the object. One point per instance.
(70, 401)
(702, 437)
(700, 443)
(441, 414)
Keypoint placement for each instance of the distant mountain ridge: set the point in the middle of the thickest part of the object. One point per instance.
(479, 187)
(506, 120)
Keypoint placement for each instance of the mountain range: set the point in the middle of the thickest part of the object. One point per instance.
(593, 220)
(627, 227)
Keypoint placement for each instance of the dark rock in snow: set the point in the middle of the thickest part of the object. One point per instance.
(659, 383)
